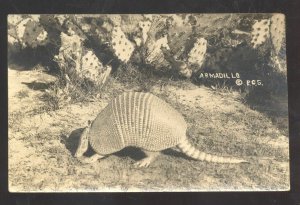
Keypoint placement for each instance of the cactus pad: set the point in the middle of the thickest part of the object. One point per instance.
(122, 47)
(30, 33)
(145, 26)
(70, 52)
(14, 20)
(154, 50)
(179, 36)
(91, 68)
(84, 62)
(277, 31)
(197, 53)
(260, 32)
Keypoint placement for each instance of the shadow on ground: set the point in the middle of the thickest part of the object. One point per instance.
(34, 85)
(71, 143)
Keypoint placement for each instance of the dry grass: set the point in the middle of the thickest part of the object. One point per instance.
(41, 144)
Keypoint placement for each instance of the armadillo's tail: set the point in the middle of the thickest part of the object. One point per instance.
(187, 148)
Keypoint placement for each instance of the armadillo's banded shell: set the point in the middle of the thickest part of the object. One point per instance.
(137, 119)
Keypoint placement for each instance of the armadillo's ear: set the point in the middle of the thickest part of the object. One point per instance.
(89, 123)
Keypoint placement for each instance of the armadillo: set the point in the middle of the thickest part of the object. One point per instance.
(142, 120)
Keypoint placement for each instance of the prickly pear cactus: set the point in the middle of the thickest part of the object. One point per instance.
(27, 32)
(179, 36)
(92, 69)
(145, 27)
(171, 45)
(74, 58)
(60, 19)
(136, 26)
(115, 19)
(157, 40)
(197, 54)
(70, 51)
(185, 70)
(188, 50)
(130, 23)
(149, 16)
(34, 34)
(122, 47)
(154, 53)
(14, 20)
(72, 27)
(277, 31)
(217, 60)
(260, 32)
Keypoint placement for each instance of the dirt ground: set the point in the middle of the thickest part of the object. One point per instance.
(42, 144)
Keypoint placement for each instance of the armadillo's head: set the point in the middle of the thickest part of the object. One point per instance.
(83, 141)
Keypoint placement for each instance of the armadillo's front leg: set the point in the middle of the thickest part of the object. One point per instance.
(91, 159)
(145, 162)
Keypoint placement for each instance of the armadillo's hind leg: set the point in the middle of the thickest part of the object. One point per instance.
(91, 159)
(145, 162)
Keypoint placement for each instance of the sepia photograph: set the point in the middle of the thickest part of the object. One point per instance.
(147, 102)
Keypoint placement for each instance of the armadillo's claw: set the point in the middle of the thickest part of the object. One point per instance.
(85, 160)
(89, 160)
(144, 162)
(244, 162)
